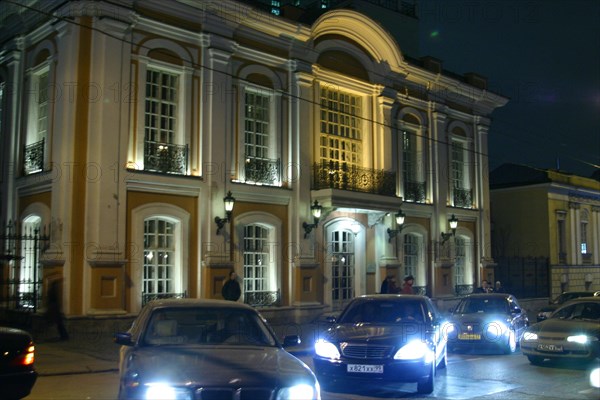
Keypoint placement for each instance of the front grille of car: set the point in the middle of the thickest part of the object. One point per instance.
(365, 351)
(234, 394)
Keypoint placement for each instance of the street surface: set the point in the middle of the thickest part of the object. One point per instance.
(468, 376)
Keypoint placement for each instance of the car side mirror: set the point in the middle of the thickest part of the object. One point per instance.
(291, 340)
(123, 338)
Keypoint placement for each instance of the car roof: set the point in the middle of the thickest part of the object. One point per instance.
(587, 292)
(172, 302)
(391, 296)
(498, 295)
(595, 299)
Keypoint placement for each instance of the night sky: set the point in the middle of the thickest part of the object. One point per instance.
(544, 56)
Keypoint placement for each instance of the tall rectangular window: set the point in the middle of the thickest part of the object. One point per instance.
(161, 106)
(42, 106)
(562, 240)
(256, 259)
(159, 256)
(460, 264)
(584, 241)
(340, 121)
(256, 125)
(458, 165)
(461, 190)
(411, 254)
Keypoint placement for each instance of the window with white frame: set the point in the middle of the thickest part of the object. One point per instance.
(38, 122)
(259, 166)
(30, 272)
(256, 260)
(340, 121)
(460, 175)
(162, 152)
(342, 267)
(412, 174)
(411, 254)
(461, 261)
(160, 257)
(584, 232)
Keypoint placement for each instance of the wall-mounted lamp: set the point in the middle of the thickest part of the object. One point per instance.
(229, 201)
(315, 209)
(355, 228)
(399, 226)
(453, 222)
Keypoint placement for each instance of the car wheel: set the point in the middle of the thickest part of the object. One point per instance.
(426, 386)
(511, 343)
(535, 360)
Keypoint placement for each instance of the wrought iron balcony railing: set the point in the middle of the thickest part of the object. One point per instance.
(262, 170)
(414, 191)
(33, 158)
(147, 297)
(263, 299)
(336, 175)
(167, 158)
(463, 198)
(461, 290)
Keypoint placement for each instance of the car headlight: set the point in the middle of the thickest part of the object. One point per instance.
(163, 391)
(413, 351)
(595, 378)
(530, 336)
(496, 329)
(302, 391)
(323, 348)
(581, 339)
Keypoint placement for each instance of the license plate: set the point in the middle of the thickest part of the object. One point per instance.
(549, 347)
(469, 336)
(365, 369)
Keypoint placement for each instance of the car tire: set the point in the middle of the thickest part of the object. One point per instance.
(426, 386)
(511, 342)
(535, 360)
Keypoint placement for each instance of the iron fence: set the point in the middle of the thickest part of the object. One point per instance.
(263, 299)
(20, 273)
(148, 297)
(336, 175)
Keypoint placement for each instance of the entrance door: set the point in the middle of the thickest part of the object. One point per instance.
(342, 267)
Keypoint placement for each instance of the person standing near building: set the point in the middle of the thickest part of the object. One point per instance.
(54, 312)
(407, 286)
(231, 289)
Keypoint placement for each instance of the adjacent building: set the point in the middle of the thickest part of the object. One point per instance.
(548, 214)
(127, 128)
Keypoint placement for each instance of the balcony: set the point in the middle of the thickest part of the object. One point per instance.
(148, 297)
(335, 175)
(463, 198)
(263, 298)
(414, 191)
(262, 170)
(166, 158)
(33, 158)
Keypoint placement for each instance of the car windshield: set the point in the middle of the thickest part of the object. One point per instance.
(585, 311)
(383, 312)
(206, 326)
(482, 305)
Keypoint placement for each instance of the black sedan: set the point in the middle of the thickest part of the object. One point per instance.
(561, 299)
(17, 356)
(487, 321)
(188, 349)
(383, 339)
(571, 333)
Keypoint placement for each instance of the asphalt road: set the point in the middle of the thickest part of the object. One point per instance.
(468, 376)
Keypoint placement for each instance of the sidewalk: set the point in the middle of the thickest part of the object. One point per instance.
(83, 354)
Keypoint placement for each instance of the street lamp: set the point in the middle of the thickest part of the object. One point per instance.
(229, 201)
(453, 222)
(315, 209)
(392, 233)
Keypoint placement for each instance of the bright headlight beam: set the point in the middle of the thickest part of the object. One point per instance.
(301, 391)
(414, 350)
(323, 348)
(595, 378)
(530, 336)
(581, 339)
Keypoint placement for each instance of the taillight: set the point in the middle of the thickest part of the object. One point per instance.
(25, 358)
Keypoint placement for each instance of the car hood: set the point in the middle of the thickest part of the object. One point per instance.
(567, 326)
(377, 334)
(218, 365)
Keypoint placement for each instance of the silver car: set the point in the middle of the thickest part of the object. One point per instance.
(184, 349)
(571, 332)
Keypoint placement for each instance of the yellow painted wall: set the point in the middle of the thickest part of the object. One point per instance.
(520, 220)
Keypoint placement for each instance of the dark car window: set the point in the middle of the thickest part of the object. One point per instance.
(204, 326)
(482, 305)
(588, 311)
(383, 312)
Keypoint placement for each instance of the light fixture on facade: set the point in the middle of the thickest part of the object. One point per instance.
(453, 222)
(392, 233)
(229, 201)
(315, 209)
(355, 227)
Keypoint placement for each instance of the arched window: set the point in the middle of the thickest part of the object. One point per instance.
(342, 267)
(29, 274)
(256, 261)
(411, 254)
(461, 260)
